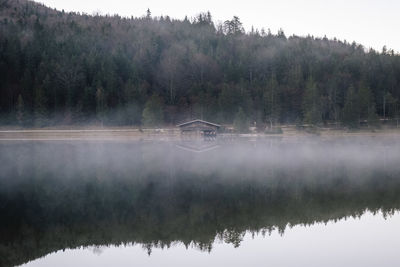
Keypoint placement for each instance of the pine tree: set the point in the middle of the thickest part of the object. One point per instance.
(391, 103)
(153, 112)
(60, 63)
(100, 103)
(271, 101)
(367, 107)
(40, 111)
(351, 112)
(311, 104)
(240, 123)
(373, 118)
(148, 14)
(233, 26)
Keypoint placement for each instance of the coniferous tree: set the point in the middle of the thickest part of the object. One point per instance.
(391, 103)
(351, 113)
(199, 68)
(40, 108)
(233, 26)
(373, 119)
(100, 103)
(312, 104)
(367, 107)
(271, 102)
(241, 123)
(148, 14)
(153, 112)
(365, 101)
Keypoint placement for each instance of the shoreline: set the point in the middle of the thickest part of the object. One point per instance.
(172, 134)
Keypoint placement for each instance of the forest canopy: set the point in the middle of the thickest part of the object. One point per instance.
(72, 68)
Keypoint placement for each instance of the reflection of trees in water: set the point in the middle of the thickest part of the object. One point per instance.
(66, 195)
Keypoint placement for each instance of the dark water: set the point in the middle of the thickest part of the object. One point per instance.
(270, 202)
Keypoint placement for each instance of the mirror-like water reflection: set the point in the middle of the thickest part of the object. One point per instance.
(345, 243)
(152, 195)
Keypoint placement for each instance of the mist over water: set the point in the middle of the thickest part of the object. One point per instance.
(194, 194)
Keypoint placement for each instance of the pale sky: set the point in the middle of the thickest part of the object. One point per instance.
(372, 23)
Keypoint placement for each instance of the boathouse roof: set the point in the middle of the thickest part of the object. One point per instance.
(189, 123)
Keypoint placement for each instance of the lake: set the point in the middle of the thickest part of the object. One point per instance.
(268, 201)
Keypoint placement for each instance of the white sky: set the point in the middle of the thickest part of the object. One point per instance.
(372, 23)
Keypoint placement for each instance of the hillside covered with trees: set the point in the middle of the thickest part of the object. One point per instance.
(71, 68)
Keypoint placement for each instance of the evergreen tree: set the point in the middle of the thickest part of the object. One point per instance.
(365, 101)
(241, 123)
(68, 56)
(100, 103)
(153, 112)
(148, 14)
(229, 99)
(334, 101)
(311, 104)
(233, 26)
(40, 108)
(367, 105)
(271, 101)
(351, 114)
(373, 119)
(391, 103)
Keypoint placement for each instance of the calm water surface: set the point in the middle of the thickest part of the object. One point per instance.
(368, 241)
(308, 202)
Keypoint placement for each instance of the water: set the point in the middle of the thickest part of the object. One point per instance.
(307, 202)
(344, 243)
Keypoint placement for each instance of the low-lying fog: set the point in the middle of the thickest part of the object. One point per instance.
(57, 195)
(241, 159)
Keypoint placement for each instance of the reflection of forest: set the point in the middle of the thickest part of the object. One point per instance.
(59, 195)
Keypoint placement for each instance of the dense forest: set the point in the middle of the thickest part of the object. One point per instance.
(71, 68)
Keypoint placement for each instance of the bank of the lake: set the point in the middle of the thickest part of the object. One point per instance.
(172, 133)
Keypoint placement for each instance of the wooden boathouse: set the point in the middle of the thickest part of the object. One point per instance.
(199, 127)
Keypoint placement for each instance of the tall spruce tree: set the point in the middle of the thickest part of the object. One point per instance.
(40, 111)
(153, 113)
(271, 101)
(311, 103)
(367, 107)
(351, 109)
(241, 123)
(101, 104)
